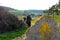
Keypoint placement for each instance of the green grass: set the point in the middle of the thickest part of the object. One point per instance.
(13, 34)
(57, 18)
(33, 20)
(59, 30)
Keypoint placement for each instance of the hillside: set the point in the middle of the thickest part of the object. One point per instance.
(35, 11)
(23, 12)
(13, 11)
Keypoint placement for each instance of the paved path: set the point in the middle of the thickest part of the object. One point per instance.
(33, 33)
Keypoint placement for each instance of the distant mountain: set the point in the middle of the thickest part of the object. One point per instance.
(7, 8)
(35, 11)
(13, 11)
(22, 12)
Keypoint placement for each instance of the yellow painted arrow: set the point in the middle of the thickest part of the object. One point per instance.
(43, 29)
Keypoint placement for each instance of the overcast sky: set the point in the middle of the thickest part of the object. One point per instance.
(28, 4)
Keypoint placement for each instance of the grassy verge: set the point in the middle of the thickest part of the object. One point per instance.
(13, 34)
(59, 30)
(57, 18)
(35, 19)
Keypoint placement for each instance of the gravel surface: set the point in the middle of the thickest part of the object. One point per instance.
(33, 33)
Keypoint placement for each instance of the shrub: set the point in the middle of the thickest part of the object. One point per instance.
(8, 21)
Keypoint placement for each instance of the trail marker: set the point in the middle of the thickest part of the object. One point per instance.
(45, 27)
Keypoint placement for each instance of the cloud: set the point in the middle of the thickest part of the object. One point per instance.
(28, 4)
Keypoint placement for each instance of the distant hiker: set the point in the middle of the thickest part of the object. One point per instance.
(28, 21)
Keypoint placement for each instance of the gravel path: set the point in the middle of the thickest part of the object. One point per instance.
(33, 33)
(23, 37)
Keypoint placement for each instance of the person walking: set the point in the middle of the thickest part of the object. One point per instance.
(28, 21)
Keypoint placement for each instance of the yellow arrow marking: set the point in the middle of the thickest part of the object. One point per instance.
(43, 29)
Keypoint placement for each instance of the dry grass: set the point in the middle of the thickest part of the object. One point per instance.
(35, 19)
(20, 17)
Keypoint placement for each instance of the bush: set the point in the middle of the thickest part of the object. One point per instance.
(8, 21)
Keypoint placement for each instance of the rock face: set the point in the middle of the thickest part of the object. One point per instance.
(33, 33)
(8, 21)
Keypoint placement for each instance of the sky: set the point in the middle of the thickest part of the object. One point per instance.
(28, 4)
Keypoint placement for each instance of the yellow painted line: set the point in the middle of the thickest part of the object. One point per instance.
(43, 29)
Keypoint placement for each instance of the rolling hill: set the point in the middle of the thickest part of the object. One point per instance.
(22, 12)
(37, 12)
